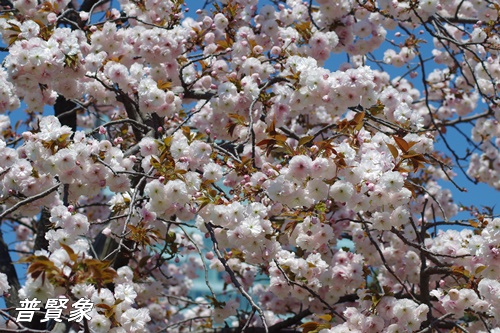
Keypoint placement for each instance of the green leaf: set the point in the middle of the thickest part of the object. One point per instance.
(305, 139)
(480, 269)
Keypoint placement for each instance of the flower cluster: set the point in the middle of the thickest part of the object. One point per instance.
(216, 146)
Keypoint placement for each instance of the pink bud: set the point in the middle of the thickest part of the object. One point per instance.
(258, 49)
(276, 51)
(52, 18)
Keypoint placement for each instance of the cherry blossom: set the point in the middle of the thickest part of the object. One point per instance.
(251, 164)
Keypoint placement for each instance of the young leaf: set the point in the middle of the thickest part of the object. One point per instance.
(305, 139)
(309, 326)
(402, 143)
(393, 149)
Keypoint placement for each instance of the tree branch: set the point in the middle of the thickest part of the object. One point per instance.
(234, 280)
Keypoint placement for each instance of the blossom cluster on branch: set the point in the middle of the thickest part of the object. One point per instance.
(270, 142)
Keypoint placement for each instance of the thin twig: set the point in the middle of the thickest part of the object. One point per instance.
(205, 268)
(309, 290)
(20, 328)
(234, 280)
(382, 257)
(28, 200)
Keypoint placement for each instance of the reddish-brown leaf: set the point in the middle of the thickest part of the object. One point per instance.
(402, 143)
